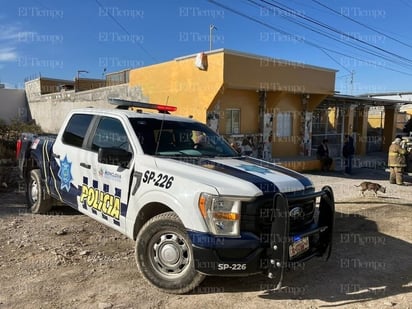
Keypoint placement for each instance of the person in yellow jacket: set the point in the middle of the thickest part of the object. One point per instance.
(396, 162)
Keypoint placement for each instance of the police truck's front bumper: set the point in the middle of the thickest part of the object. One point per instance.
(273, 244)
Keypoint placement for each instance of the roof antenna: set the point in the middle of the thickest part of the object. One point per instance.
(161, 128)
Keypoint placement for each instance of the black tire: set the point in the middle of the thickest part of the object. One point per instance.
(164, 255)
(38, 201)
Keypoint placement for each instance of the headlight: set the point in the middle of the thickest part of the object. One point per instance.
(221, 214)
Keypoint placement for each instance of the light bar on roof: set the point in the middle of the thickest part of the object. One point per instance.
(166, 108)
(125, 104)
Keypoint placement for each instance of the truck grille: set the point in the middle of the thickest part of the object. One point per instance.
(256, 216)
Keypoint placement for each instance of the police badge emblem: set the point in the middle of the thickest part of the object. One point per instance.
(65, 174)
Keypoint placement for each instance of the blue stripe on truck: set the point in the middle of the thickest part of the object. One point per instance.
(263, 184)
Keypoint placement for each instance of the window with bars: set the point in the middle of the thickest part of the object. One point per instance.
(232, 121)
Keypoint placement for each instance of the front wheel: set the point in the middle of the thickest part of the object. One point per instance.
(164, 255)
(38, 201)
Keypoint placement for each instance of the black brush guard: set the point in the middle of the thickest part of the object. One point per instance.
(278, 252)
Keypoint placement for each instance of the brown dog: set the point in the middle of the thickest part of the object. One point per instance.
(371, 186)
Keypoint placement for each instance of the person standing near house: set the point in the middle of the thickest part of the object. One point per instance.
(348, 151)
(396, 162)
(246, 147)
(323, 156)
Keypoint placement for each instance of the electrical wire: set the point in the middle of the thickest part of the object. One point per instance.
(330, 28)
(350, 44)
(300, 39)
(125, 30)
(362, 24)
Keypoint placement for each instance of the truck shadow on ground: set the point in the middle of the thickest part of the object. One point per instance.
(14, 203)
(366, 264)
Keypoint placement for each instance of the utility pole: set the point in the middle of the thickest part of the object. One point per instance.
(211, 28)
(351, 81)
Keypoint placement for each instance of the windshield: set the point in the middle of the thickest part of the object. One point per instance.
(178, 138)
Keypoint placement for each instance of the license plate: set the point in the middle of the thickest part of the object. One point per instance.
(298, 247)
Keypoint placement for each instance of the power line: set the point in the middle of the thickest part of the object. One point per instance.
(125, 30)
(300, 39)
(406, 3)
(337, 62)
(362, 24)
(323, 33)
(330, 28)
(361, 48)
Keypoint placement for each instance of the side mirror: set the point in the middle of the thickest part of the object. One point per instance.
(114, 156)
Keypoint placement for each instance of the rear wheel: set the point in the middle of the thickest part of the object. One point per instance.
(37, 199)
(164, 255)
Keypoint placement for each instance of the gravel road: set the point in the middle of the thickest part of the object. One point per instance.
(67, 260)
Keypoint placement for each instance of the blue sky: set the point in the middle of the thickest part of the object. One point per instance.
(368, 42)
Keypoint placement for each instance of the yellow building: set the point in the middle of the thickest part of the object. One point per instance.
(266, 100)
(283, 109)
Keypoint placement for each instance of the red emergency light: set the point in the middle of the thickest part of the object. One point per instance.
(166, 108)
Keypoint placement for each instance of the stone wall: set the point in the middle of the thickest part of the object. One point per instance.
(50, 110)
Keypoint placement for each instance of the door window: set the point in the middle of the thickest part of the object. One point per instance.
(110, 134)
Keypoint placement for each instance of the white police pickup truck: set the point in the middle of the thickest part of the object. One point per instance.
(191, 203)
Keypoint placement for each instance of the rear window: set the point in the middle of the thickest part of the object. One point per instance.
(76, 129)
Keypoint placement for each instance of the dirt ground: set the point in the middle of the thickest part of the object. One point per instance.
(67, 260)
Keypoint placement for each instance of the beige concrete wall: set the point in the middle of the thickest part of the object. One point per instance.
(50, 110)
(33, 89)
